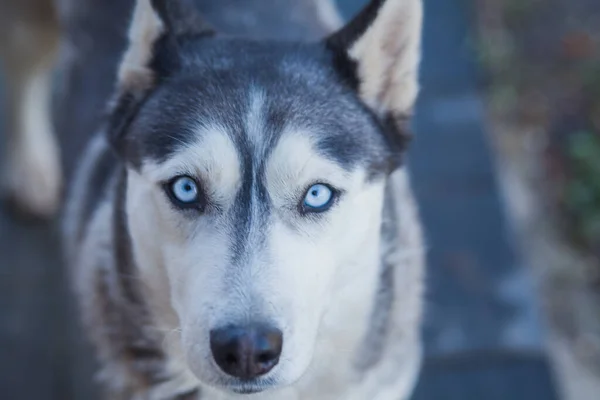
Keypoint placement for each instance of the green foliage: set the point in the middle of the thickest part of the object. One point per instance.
(590, 78)
(582, 196)
(517, 11)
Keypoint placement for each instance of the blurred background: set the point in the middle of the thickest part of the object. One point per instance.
(506, 169)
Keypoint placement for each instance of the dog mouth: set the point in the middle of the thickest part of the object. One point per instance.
(247, 390)
(249, 387)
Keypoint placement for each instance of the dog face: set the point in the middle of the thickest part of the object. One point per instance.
(256, 175)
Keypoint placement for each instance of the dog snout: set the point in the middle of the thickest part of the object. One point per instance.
(246, 352)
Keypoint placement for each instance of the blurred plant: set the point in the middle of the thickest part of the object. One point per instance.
(517, 11)
(589, 73)
(582, 194)
(530, 77)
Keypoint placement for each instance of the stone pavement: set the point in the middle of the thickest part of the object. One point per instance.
(483, 333)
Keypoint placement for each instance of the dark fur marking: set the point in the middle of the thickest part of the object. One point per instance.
(124, 111)
(340, 42)
(243, 216)
(346, 68)
(205, 91)
(139, 346)
(95, 188)
(379, 325)
(183, 24)
(123, 332)
(125, 264)
(353, 31)
(396, 132)
(252, 205)
(181, 17)
(375, 340)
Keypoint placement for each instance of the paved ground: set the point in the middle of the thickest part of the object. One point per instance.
(482, 330)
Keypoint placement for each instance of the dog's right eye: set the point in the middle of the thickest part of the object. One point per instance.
(318, 198)
(184, 192)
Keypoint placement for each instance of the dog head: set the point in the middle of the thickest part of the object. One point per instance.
(256, 175)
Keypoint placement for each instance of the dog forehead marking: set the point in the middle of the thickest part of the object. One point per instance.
(255, 129)
(251, 215)
(255, 122)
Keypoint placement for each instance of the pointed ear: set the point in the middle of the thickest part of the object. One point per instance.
(155, 20)
(379, 52)
(158, 29)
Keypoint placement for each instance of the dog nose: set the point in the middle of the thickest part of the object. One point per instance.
(246, 352)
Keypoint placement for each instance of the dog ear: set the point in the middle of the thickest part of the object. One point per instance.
(154, 21)
(157, 31)
(378, 52)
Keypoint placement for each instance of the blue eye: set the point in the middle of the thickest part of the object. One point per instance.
(185, 190)
(318, 198)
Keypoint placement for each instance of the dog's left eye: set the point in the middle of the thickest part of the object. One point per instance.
(184, 191)
(318, 198)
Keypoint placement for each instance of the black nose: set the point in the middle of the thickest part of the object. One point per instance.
(246, 352)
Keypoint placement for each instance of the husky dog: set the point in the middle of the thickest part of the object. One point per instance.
(241, 224)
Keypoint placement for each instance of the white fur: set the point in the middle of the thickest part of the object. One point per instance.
(311, 274)
(213, 159)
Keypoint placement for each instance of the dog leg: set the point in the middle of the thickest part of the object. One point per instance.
(32, 174)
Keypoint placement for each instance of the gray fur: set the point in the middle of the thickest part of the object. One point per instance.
(217, 81)
(374, 346)
(299, 86)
